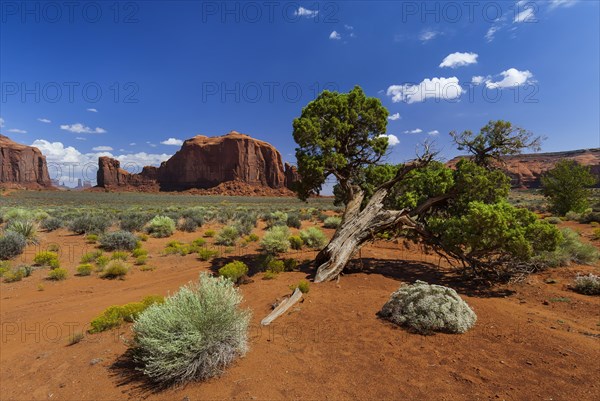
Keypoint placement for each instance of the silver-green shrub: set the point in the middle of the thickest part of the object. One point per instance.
(194, 334)
(426, 308)
(276, 240)
(161, 226)
(587, 284)
(313, 238)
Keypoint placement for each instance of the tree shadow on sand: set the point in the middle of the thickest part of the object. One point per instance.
(256, 265)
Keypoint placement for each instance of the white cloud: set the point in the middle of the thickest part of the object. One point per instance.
(477, 80)
(132, 144)
(458, 59)
(151, 144)
(392, 139)
(79, 128)
(414, 131)
(335, 36)
(427, 35)
(349, 27)
(305, 12)
(67, 164)
(527, 15)
(173, 141)
(102, 149)
(436, 88)
(394, 117)
(92, 110)
(1, 122)
(491, 33)
(511, 78)
(79, 138)
(17, 131)
(434, 132)
(561, 3)
(44, 120)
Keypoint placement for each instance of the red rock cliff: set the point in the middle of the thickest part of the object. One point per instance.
(22, 165)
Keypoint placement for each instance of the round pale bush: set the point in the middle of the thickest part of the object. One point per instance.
(11, 244)
(118, 241)
(276, 240)
(313, 237)
(194, 334)
(426, 308)
(161, 226)
(332, 222)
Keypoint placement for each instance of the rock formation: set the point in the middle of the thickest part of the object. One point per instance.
(22, 166)
(207, 162)
(525, 170)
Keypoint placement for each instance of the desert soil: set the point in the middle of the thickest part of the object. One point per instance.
(534, 340)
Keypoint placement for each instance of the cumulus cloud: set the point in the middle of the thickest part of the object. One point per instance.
(477, 80)
(527, 15)
(79, 128)
(414, 131)
(394, 117)
(435, 88)
(173, 142)
(44, 120)
(392, 139)
(428, 35)
(17, 131)
(335, 36)
(92, 110)
(305, 12)
(510, 78)
(67, 164)
(458, 59)
(102, 149)
(434, 132)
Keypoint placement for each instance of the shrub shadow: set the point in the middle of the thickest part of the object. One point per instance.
(127, 373)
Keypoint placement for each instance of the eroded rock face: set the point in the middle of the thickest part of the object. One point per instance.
(206, 162)
(22, 165)
(525, 170)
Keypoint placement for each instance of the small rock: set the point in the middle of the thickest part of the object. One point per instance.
(95, 361)
(529, 363)
(545, 302)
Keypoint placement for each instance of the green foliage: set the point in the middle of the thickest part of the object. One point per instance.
(276, 240)
(119, 255)
(84, 269)
(4, 267)
(187, 225)
(426, 308)
(141, 260)
(194, 334)
(46, 258)
(303, 286)
(115, 269)
(332, 222)
(90, 224)
(293, 221)
(565, 186)
(313, 238)
(227, 236)
(329, 132)
(139, 252)
(134, 221)
(51, 224)
(252, 238)
(13, 275)
(161, 226)
(290, 264)
(277, 218)
(209, 233)
(596, 234)
(27, 228)
(275, 266)
(58, 274)
(570, 249)
(296, 242)
(90, 257)
(11, 244)
(234, 271)
(115, 315)
(118, 240)
(102, 261)
(587, 284)
(207, 254)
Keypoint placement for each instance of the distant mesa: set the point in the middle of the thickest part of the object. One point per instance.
(22, 166)
(526, 170)
(230, 164)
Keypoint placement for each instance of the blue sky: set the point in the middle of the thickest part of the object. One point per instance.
(119, 78)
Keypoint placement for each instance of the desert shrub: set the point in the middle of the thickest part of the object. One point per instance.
(587, 284)
(275, 266)
(276, 219)
(134, 221)
(207, 254)
(322, 217)
(11, 244)
(570, 249)
(313, 237)
(90, 257)
(102, 261)
(566, 186)
(296, 242)
(196, 214)
(4, 267)
(53, 248)
(119, 255)
(553, 220)
(234, 271)
(141, 260)
(143, 237)
(276, 240)
(194, 334)
(589, 217)
(13, 275)
(115, 315)
(115, 269)
(426, 308)
(303, 286)
(252, 238)
(177, 248)
(118, 240)
(91, 238)
(17, 214)
(290, 264)
(84, 269)
(57, 274)
(27, 228)
(75, 338)
(147, 268)
(209, 233)
(161, 226)
(139, 252)
(46, 258)
(187, 225)
(198, 243)
(91, 223)
(293, 221)
(227, 236)
(269, 275)
(332, 222)
(596, 234)
(51, 224)
(572, 216)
